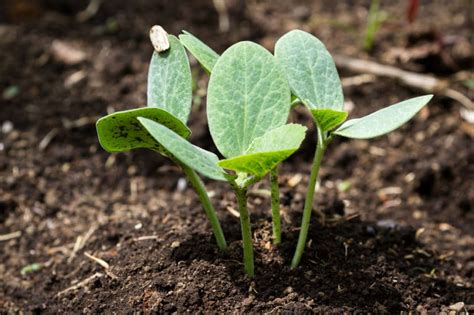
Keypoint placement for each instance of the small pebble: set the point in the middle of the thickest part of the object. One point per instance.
(67, 53)
(288, 290)
(388, 224)
(182, 184)
(7, 126)
(457, 306)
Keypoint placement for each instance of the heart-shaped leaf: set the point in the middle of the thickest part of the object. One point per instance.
(310, 70)
(248, 94)
(328, 119)
(383, 121)
(120, 131)
(203, 53)
(202, 161)
(170, 81)
(268, 151)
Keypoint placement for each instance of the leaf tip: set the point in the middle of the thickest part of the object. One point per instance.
(143, 120)
(428, 97)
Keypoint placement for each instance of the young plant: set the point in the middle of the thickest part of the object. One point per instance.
(208, 58)
(169, 104)
(247, 106)
(374, 21)
(313, 78)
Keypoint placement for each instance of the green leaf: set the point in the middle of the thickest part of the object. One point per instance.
(257, 164)
(248, 94)
(203, 53)
(286, 137)
(120, 131)
(268, 151)
(170, 81)
(383, 121)
(202, 161)
(310, 70)
(328, 119)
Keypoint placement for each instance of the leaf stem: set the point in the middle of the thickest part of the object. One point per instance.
(308, 205)
(275, 192)
(241, 194)
(198, 186)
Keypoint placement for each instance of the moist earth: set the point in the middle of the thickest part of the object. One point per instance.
(393, 230)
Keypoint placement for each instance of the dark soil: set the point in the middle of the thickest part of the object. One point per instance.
(394, 231)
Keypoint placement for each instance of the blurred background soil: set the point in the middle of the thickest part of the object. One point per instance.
(395, 224)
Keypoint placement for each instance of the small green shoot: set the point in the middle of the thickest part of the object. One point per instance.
(374, 21)
(314, 80)
(208, 58)
(344, 186)
(248, 104)
(32, 268)
(169, 105)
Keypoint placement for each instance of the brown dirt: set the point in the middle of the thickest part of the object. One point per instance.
(398, 238)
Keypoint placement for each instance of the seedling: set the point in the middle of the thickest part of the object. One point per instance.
(208, 58)
(250, 94)
(315, 82)
(169, 103)
(374, 21)
(248, 103)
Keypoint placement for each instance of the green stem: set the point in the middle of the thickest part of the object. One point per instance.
(246, 228)
(308, 205)
(198, 185)
(372, 25)
(275, 191)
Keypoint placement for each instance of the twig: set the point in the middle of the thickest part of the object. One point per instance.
(101, 262)
(10, 236)
(47, 139)
(146, 237)
(421, 81)
(81, 284)
(461, 98)
(80, 243)
(81, 122)
(234, 212)
(265, 193)
(358, 80)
